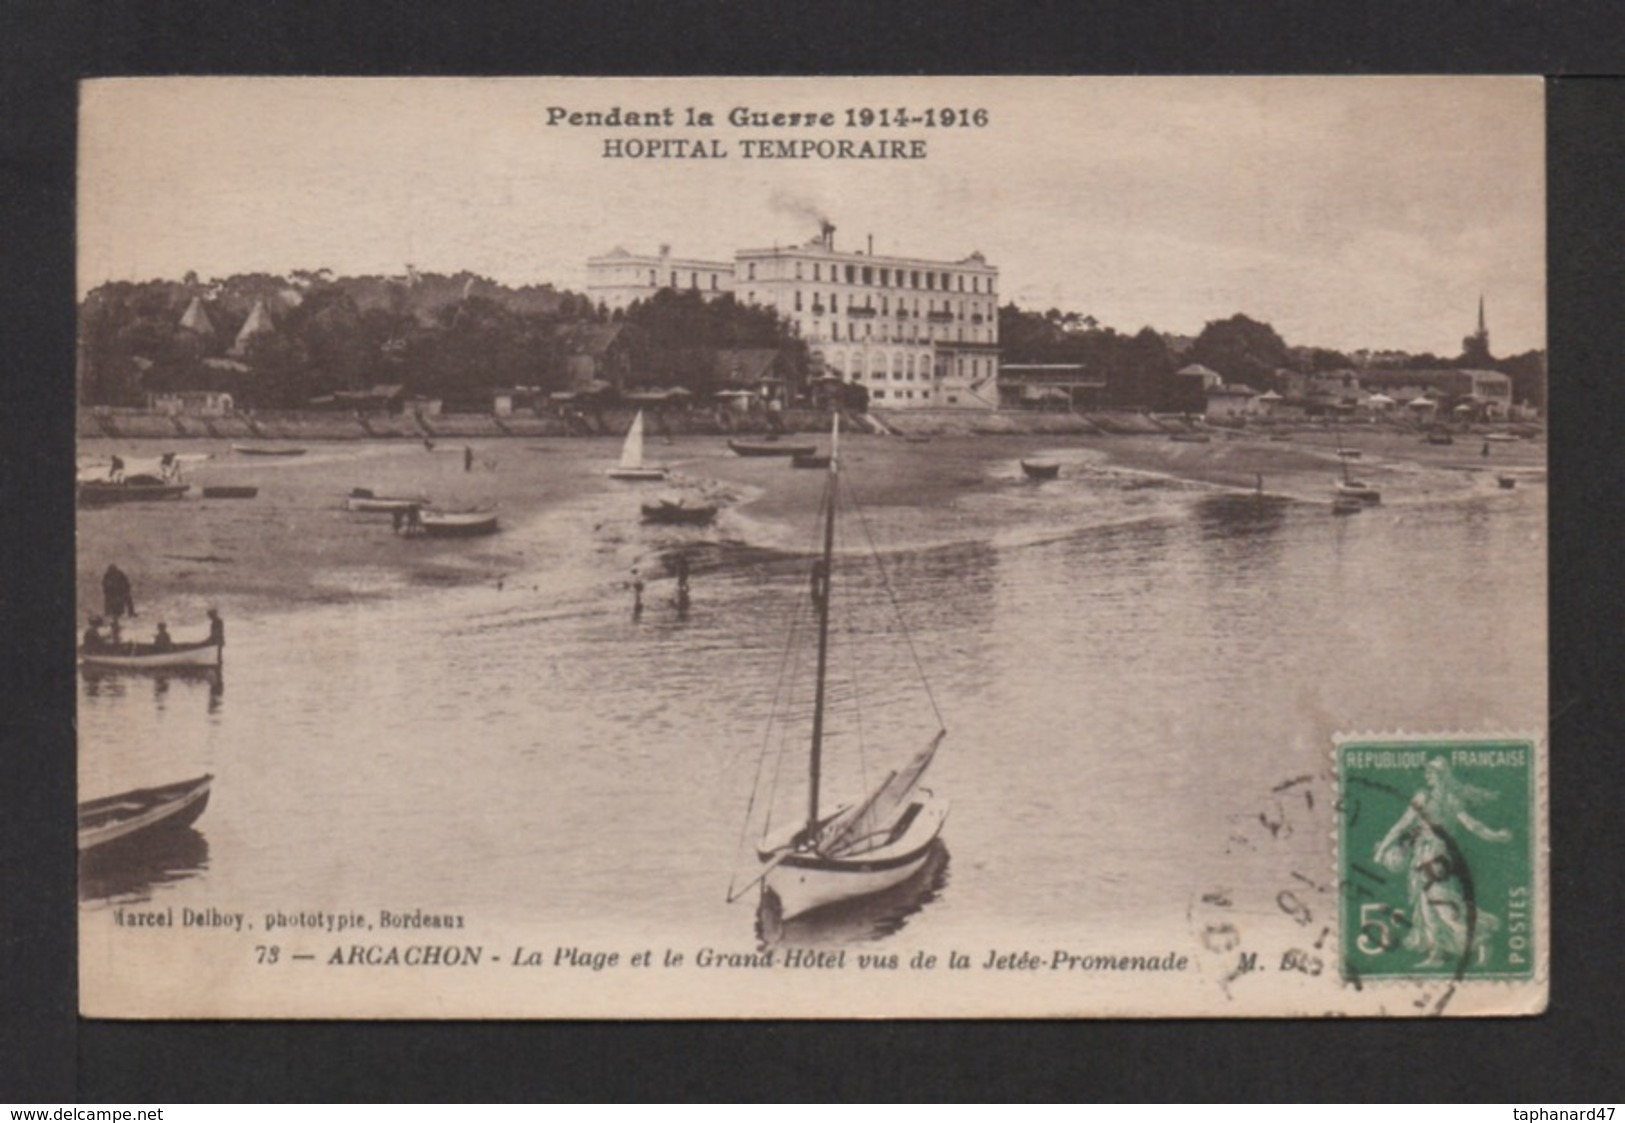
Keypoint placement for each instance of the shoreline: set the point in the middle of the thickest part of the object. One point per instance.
(294, 545)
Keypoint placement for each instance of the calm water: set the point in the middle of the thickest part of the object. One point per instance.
(1123, 668)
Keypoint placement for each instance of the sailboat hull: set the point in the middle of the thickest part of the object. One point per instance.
(651, 474)
(803, 883)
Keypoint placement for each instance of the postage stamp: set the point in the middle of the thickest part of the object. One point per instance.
(1438, 858)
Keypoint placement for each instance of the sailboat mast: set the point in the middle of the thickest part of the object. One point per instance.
(821, 593)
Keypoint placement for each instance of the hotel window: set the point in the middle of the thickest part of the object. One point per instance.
(750, 271)
(914, 279)
(693, 280)
(835, 329)
(930, 280)
(885, 277)
(713, 282)
(817, 271)
(868, 275)
(674, 278)
(880, 393)
(651, 278)
(798, 270)
(798, 300)
(945, 282)
(834, 303)
(851, 274)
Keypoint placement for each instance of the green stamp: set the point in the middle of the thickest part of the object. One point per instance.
(1437, 844)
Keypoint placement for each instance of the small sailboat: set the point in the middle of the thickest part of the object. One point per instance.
(631, 466)
(1350, 489)
(881, 838)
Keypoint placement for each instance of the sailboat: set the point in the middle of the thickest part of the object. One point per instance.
(631, 466)
(841, 854)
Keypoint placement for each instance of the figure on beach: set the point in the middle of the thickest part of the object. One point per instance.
(682, 586)
(117, 597)
(1445, 924)
(637, 595)
(468, 458)
(217, 628)
(115, 471)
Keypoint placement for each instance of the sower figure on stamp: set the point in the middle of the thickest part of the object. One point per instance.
(1445, 924)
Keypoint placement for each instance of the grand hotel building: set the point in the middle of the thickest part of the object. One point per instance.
(917, 333)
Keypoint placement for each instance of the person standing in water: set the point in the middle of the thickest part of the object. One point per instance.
(468, 458)
(117, 597)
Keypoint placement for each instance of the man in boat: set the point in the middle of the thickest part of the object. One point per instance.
(115, 471)
(94, 640)
(217, 628)
(168, 468)
(117, 598)
(162, 641)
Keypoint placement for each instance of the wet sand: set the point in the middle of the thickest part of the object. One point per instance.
(295, 544)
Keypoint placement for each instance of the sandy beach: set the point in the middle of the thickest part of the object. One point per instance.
(295, 544)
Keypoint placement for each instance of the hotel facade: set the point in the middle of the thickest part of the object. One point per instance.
(915, 333)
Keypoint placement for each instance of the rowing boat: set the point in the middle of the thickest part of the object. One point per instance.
(145, 810)
(148, 657)
(770, 448)
(99, 492)
(268, 450)
(457, 524)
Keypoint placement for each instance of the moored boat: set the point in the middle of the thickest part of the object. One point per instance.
(1191, 438)
(873, 843)
(631, 466)
(1440, 439)
(457, 524)
(1359, 491)
(675, 512)
(132, 814)
(1040, 469)
(809, 460)
(268, 450)
(1507, 482)
(362, 499)
(1347, 505)
(770, 448)
(136, 489)
(233, 491)
(151, 657)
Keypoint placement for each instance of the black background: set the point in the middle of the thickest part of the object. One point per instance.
(1576, 1052)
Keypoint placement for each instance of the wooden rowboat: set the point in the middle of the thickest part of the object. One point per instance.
(457, 524)
(100, 492)
(268, 450)
(1040, 469)
(362, 499)
(146, 657)
(770, 448)
(222, 491)
(131, 814)
(1507, 483)
(676, 513)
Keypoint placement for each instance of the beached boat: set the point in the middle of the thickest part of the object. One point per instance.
(845, 853)
(1190, 438)
(1506, 482)
(1347, 505)
(809, 460)
(1040, 469)
(770, 447)
(268, 450)
(1350, 453)
(149, 657)
(230, 491)
(1440, 439)
(631, 466)
(457, 524)
(133, 814)
(362, 499)
(675, 512)
(132, 489)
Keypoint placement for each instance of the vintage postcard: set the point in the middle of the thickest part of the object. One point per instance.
(611, 548)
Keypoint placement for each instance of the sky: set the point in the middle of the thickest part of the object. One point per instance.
(1347, 212)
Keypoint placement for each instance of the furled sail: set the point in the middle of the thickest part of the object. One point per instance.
(870, 823)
